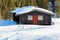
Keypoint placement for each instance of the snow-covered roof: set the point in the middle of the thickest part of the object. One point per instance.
(29, 9)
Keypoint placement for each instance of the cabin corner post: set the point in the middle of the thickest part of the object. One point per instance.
(50, 18)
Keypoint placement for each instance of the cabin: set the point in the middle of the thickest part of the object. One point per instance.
(32, 15)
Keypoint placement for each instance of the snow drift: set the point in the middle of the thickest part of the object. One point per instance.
(31, 32)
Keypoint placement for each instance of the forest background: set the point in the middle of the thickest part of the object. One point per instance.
(7, 5)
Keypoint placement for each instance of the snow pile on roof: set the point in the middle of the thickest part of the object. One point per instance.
(29, 9)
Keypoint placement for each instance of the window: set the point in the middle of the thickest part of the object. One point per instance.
(30, 17)
(40, 17)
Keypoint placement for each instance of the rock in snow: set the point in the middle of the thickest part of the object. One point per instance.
(31, 32)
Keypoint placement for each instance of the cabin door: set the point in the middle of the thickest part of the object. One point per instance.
(35, 19)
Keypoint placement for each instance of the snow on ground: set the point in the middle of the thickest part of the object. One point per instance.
(31, 32)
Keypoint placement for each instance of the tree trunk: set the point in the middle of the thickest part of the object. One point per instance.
(0, 14)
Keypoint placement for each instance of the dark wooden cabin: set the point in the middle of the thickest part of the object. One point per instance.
(33, 15)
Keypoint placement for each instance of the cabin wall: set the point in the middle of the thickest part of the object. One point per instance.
(23, 18)
(46, 21)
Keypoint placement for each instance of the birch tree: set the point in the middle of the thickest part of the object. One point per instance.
(0, 9)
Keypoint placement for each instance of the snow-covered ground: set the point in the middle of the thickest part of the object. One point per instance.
(31, 32)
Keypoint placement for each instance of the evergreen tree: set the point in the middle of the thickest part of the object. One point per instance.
(7, 5)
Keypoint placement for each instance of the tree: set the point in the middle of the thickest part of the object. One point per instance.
(1, 6)
(7, 5)
(58, 8)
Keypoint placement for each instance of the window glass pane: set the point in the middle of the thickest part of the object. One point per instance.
(30, 17)
(40, 17)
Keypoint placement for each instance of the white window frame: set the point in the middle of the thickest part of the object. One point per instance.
(40, 17)
(30, 17)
